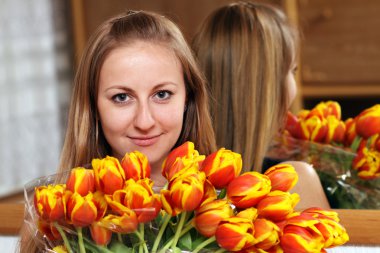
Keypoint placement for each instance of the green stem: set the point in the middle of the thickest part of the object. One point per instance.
(64, 237)
(140, 235)
(186, 229)
(80, 240)
(119, 237)
(161, 232)
(203, 244)
(221, 250)
(178, 230)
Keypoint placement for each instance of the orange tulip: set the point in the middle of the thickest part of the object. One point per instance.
(185, 191)
(248, 189)
(178, 158)
(329, 108)
(368, 122)
(125, 223)
(301, 235)
(49, 202)
(221, 167)
(109, 175)
(267, 234)
(277, 205)
(81, 181)
(135, 166)
(81, 210)
(336, 130)
(100, 235)
(293, 126)
(208, 216)
(209, 193)
(48, 230)
(137, 196)
(235, 233)
(314, 129)
(248, 213)
(334, 234)
(367, 163)
(283, 177)
(350, 133)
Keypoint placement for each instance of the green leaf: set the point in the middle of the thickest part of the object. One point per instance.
(119, 247)
(185, 242)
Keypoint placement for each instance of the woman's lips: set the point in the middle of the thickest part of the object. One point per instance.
(145, 141)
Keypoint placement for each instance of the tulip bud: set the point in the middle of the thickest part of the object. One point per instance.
(135, 166)
(367, 163)
(48, 230)
(277, 205)
(81, 181)
(234, 234)
(368, 122)
(221, 167)
(109, 175)
(267, 234)
(208, 216)
(49, 202)
(125, 223)
(81, 211)
(301, 235)
(178, 158)
(314, 129)
(336, 130)
(100, 235)
(283, 177)
(248, 213)
(248, 189)
(350, 133)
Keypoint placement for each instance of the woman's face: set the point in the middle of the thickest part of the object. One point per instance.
(141, 100)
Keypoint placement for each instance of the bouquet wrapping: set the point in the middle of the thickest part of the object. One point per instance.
(207, 205)
(346, 154)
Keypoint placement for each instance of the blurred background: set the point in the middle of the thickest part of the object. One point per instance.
(41, 41)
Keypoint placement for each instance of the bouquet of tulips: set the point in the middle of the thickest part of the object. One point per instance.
(206, 206)
(346, 154)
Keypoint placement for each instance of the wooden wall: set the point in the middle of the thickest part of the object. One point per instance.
(340, 45)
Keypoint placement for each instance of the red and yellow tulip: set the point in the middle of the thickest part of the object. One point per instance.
(208, 216)
(350, 133)
(368, 122)
(49, 230)
(178, 159)
(135, 166)
(235, 234)
(266, 234)
(367, 163)
(137, 196)
(301, 235)
(109, 175)
(99, 234)
(336, 130)
(81, 180)
(81, 210)
(221, 167)
(124, 224)
(277, 205)
(185, 191)
(49, 202)
(283, 177)
(248, 189)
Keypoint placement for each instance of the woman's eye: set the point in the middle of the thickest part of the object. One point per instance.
(163, 95)
(120, 98)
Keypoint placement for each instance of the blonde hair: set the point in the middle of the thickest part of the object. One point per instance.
(84, 138)
(246, 51)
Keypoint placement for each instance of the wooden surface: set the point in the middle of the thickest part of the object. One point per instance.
(11, 218)
(363, 226)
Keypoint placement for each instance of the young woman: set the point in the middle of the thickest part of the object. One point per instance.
(137, 87)
(248, 54)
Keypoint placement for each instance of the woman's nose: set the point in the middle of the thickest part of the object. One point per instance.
(144, 119)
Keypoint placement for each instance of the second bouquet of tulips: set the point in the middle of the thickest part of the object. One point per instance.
(206, 206)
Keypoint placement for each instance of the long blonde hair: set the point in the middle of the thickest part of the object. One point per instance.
(84, 138)
(246, 51)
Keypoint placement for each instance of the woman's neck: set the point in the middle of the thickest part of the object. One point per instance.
(156, 176)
